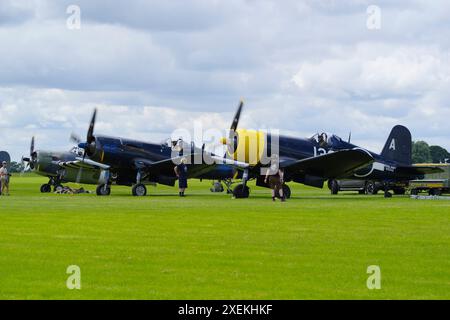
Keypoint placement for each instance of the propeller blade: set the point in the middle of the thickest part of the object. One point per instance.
(237, 115)
(32, 146)
(75, 138)
(90, 133)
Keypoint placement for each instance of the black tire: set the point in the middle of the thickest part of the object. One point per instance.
(399, 191)
(139, 190)
(286, 192)
(102, 191)
(46, 188)
(370, 188)
(334, 187)
(241, 191)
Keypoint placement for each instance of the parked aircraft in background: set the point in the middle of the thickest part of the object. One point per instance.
(392, 168)
(137, 163)
(70, 166)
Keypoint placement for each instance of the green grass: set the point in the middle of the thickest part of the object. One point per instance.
(209, 246)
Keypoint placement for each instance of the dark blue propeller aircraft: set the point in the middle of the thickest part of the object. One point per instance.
(302, 159)
(390, 168)
(314, 160)
(136, 163)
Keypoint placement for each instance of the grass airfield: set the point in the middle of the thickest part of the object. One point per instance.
(209, 246)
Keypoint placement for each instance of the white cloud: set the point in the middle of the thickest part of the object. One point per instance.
(302, 67)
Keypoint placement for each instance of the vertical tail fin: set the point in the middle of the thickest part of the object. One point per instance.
(398, 146)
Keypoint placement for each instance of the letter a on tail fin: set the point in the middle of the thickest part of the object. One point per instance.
(398, 146)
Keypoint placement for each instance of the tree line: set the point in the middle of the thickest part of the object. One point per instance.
(424, 153)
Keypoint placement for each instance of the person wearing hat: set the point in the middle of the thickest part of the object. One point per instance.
(4, 179)
(274, 177)
(181, 172)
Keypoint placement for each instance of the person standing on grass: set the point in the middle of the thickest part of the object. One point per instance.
(4, 179)
(275, 179)
(181, 172)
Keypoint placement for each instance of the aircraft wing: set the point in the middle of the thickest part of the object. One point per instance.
(206, 162)
(330, 165)
(83, 163)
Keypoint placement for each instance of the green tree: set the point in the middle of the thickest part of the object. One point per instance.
(420, 152)
(15, 166)
(438, 154)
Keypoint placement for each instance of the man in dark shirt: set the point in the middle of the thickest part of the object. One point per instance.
(181, 172)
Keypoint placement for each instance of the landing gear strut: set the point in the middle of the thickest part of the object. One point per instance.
(139, 189)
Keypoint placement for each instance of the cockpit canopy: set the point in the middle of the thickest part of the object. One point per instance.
(327, 140)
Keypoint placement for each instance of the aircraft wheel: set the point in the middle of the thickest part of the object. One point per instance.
(241, 191)
(46, 188)
(102, 191)
(139, 190)
(334, 187)
(370, 188)
(286, 191)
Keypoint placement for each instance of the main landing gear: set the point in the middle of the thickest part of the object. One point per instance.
(54, 182)
(242, 191)
(103, 190)
(139, 190)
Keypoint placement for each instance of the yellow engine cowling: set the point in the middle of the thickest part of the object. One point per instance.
(250, 146)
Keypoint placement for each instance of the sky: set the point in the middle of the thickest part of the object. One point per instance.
(151, 67)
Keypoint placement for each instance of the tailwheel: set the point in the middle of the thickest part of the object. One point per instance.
(241, 191)
(334, 187)
(139, 190)
(46, 188)
(103, 190)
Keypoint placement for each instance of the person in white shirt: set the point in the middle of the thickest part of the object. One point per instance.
(4, 179)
